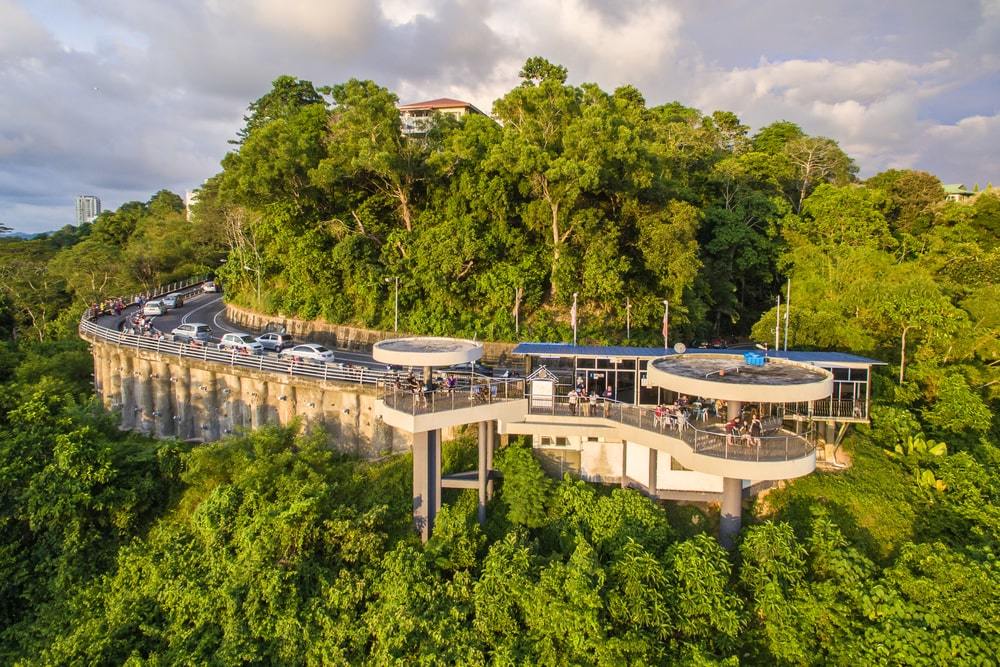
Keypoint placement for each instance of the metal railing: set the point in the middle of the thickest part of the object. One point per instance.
(156, 292)
(702, 439)
(829, 407)
(210, 352)
(469, 393)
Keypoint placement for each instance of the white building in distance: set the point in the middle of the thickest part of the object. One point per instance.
(88, 207)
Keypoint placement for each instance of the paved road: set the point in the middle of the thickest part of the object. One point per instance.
(210, 309)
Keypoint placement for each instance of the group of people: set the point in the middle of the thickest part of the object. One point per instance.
(446, 385)
(672, 416)
(139, 324)
(744, 431)
(106, 307)
(587, 403)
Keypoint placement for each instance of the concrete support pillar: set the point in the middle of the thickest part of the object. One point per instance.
(731, 515)
(163, 406)
(128, 405)
(733, 409)
(624, 480)
(184, 419)
(144, 395)
(426, 482)
(437, 474)
(491, 430)
(651, 479)
(114, 392)
(483, 472)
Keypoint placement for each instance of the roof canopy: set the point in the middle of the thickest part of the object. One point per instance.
(610, 351)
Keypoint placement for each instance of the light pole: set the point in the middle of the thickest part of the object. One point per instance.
(395, 320)
(572, 316)
(628, 320)
(666, 324)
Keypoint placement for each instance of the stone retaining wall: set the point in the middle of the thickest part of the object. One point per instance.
(168, 396)
(342, 336)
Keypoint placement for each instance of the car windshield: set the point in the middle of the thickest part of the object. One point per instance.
(320, 348)
(245, 338)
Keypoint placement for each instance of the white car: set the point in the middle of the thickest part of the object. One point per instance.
(242, 342)
(310, 351)
(154, 308)
(210, 286)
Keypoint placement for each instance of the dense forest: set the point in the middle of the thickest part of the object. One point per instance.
(269, 547)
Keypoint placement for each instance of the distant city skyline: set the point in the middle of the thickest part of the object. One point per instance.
(122, 99)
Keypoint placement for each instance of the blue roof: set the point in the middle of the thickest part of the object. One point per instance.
(567, 350)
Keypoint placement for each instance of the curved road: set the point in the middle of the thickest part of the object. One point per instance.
(210, 309)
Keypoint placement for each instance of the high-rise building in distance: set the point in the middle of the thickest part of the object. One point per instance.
(88, 207)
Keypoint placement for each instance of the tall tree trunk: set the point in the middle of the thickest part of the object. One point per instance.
(556, 246)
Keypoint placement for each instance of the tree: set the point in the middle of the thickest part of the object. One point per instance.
(365, 146)
(287, 96)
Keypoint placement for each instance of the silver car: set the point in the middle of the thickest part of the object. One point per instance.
(275, 341)
(192, 331)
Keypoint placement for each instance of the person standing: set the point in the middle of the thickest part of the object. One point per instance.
(593, 404)
(573, 396)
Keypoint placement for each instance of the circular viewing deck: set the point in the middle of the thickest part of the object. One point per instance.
(731, 378)
(427, 351)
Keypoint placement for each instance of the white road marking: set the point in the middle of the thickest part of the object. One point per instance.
(184, 320)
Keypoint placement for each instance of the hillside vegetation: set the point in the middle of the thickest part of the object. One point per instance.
(268, 547)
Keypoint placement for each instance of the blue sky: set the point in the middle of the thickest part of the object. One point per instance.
(120, 98)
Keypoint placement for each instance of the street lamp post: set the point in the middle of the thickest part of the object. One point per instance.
(666, 324)
(395, 319)
(628, 320)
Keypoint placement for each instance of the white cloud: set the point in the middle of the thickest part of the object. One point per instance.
(147, 97)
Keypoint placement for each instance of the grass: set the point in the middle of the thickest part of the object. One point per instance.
(873, 501)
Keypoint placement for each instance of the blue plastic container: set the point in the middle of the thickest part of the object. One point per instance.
(754, 358)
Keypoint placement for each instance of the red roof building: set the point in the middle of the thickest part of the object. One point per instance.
(416, 117)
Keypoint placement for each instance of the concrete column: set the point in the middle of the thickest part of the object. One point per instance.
(624, 480)
(162, 390)
(144, 395)
(437, 474)
(114, 392)
(183, 421)
(128, 392)
(426, 482)
(491, 429)
(733, 409)
(651, 479)
(731, 517)
(483, 472)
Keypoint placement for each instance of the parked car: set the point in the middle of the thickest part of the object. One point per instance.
(243, 342)
(154, 308)
(465, 368)
(192, 331)
(210, 286)
(172, 301)
(275, 341)
(310, 351)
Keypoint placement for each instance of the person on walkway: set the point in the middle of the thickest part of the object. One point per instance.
(593, 404)
(573, 396)
(756, 429)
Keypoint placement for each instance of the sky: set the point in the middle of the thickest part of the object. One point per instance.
(120, 99)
